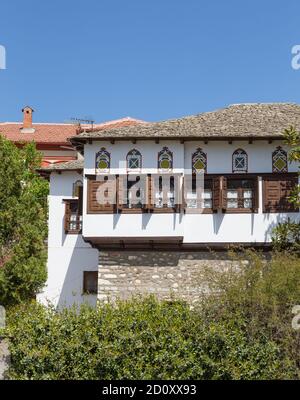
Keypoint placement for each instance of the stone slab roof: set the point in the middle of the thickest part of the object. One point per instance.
(257, 120)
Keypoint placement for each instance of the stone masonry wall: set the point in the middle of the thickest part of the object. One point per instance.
(122, 274)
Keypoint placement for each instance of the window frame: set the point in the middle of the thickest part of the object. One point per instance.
(166, 150)
(139, 168)
(196, 154)
(274, 154)
(239, 171)
(84, 286)
(67, 217)
(98, 155)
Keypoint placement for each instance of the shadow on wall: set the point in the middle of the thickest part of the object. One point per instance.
(280, 218)
(81, 259)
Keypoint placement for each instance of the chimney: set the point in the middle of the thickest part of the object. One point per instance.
(27, 120)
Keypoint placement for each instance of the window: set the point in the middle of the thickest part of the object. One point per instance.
(90, 282)
(240, 194)
(73, 216)
(102, 160)
(134, 197)
(239, 161)
(163, 193)
(279, 160)
(165, 159)
(101, 195)
(77, 187)
(206, 196)
(233, 193)
(134, 159)
(199, 161)
(277, 190)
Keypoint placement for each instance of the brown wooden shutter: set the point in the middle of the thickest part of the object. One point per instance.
(286, 188)
(223, 192)
(271, 195)
(150, 195)
(67, 217)
(93, 204)
(255, 197)
(216, 193)
(120, 191)
(219, 193)
(276, 193)
(80, 199)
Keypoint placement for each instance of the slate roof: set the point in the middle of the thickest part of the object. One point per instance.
(257, 120)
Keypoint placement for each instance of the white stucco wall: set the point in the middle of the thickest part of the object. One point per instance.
(68, 255)
(202, 228)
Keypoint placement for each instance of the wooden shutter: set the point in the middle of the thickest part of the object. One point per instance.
(150, 194)
(223, 193)
(255, 198)
(276, 193)
(67, 216)
(120, 191)
(93, 204)
(219, 193)
(80, 199)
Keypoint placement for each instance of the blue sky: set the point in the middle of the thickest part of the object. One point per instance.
(151, 60)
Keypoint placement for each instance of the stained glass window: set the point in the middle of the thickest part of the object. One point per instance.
(134, 159)
(279, 160)
(165, 159)
(199, 161)
(239, 161)
(103, 160)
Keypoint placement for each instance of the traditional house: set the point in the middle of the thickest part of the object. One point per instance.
(129, 218)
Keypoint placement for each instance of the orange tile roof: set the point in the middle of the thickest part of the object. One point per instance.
(56, 133)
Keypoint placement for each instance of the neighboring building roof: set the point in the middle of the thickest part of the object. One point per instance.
(118, 123)
(235, 121)
(44, 133)
(57, 133)
(74, 165)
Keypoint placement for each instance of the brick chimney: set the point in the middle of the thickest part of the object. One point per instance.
(27, 120)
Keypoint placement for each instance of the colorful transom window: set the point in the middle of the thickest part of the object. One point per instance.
(165, 159)
(199, 161)
(279, 160)
(239, 161)
(134, 159)
(103, 160)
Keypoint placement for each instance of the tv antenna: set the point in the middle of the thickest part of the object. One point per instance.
(84, 121)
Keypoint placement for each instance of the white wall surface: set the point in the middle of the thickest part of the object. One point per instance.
(68, 255)
(219, 155)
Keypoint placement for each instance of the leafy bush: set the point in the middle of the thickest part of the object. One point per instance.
(23, 223)
(241, 330)
(286, 236)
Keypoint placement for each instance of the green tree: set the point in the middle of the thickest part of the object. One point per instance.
(23, 223)
(286, 236)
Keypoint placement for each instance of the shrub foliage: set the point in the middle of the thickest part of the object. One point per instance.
(23, 223)
(241, 330)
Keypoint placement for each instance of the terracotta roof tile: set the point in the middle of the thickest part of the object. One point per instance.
(56, 133)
